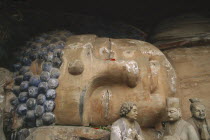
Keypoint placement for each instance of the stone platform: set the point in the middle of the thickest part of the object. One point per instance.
(67, 133)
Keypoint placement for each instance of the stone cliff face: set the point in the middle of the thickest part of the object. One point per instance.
(20, 25)
(5, 85)
(186, 30)
(68, 133)
(186, 43)
(99, 72)
(193, 74)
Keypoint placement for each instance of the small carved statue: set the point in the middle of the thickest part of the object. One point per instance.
(198, 119)
(176, 128)
(126, 128)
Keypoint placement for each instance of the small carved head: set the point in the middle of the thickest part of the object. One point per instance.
(197, 109)
(173, 114)
(129, 110)
(173, 109)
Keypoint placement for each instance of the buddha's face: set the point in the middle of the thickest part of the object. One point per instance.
(99, 74)
(199, 112)
(173, 114)
(132, 115)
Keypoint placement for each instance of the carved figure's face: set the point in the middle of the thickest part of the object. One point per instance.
(99, 74)
(132, 115)
(173, 114)
(199, 112)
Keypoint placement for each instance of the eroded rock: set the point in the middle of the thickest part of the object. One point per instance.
(181, 31)
(115, 71)
(68, 133)
(192, 68)
(187, 36)
(5, 109)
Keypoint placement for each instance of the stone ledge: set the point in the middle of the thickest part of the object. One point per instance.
(67, 133)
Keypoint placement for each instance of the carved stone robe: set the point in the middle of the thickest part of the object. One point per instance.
(121, 131)
(182, 131)
(202, 128)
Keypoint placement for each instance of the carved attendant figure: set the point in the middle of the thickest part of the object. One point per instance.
(198, 119)
(177, 128)
(126, 128)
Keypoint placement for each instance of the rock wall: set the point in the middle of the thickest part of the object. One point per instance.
(185, 42)
(193, 75)
(68, 133)
(185, 30)
(5, 86)
(21, 24)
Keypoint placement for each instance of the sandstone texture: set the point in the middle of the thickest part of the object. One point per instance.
(67, 133)
(186, 42)
(84, 79)
(5, 77)
(193, 75)
(5, 81)
(181, 31)
(99, 74)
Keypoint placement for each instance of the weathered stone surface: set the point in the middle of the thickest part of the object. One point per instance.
(67, 133)
(96, 76)
(180, 31)
(193, 74)
(22, 134)
(13, 32)
(192, 63)
(5, 81)
(34, 80)
(5, 77)
(115, 71)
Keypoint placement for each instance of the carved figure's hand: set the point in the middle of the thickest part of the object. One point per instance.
(204, 132)
(133, 134)
(138, 137)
